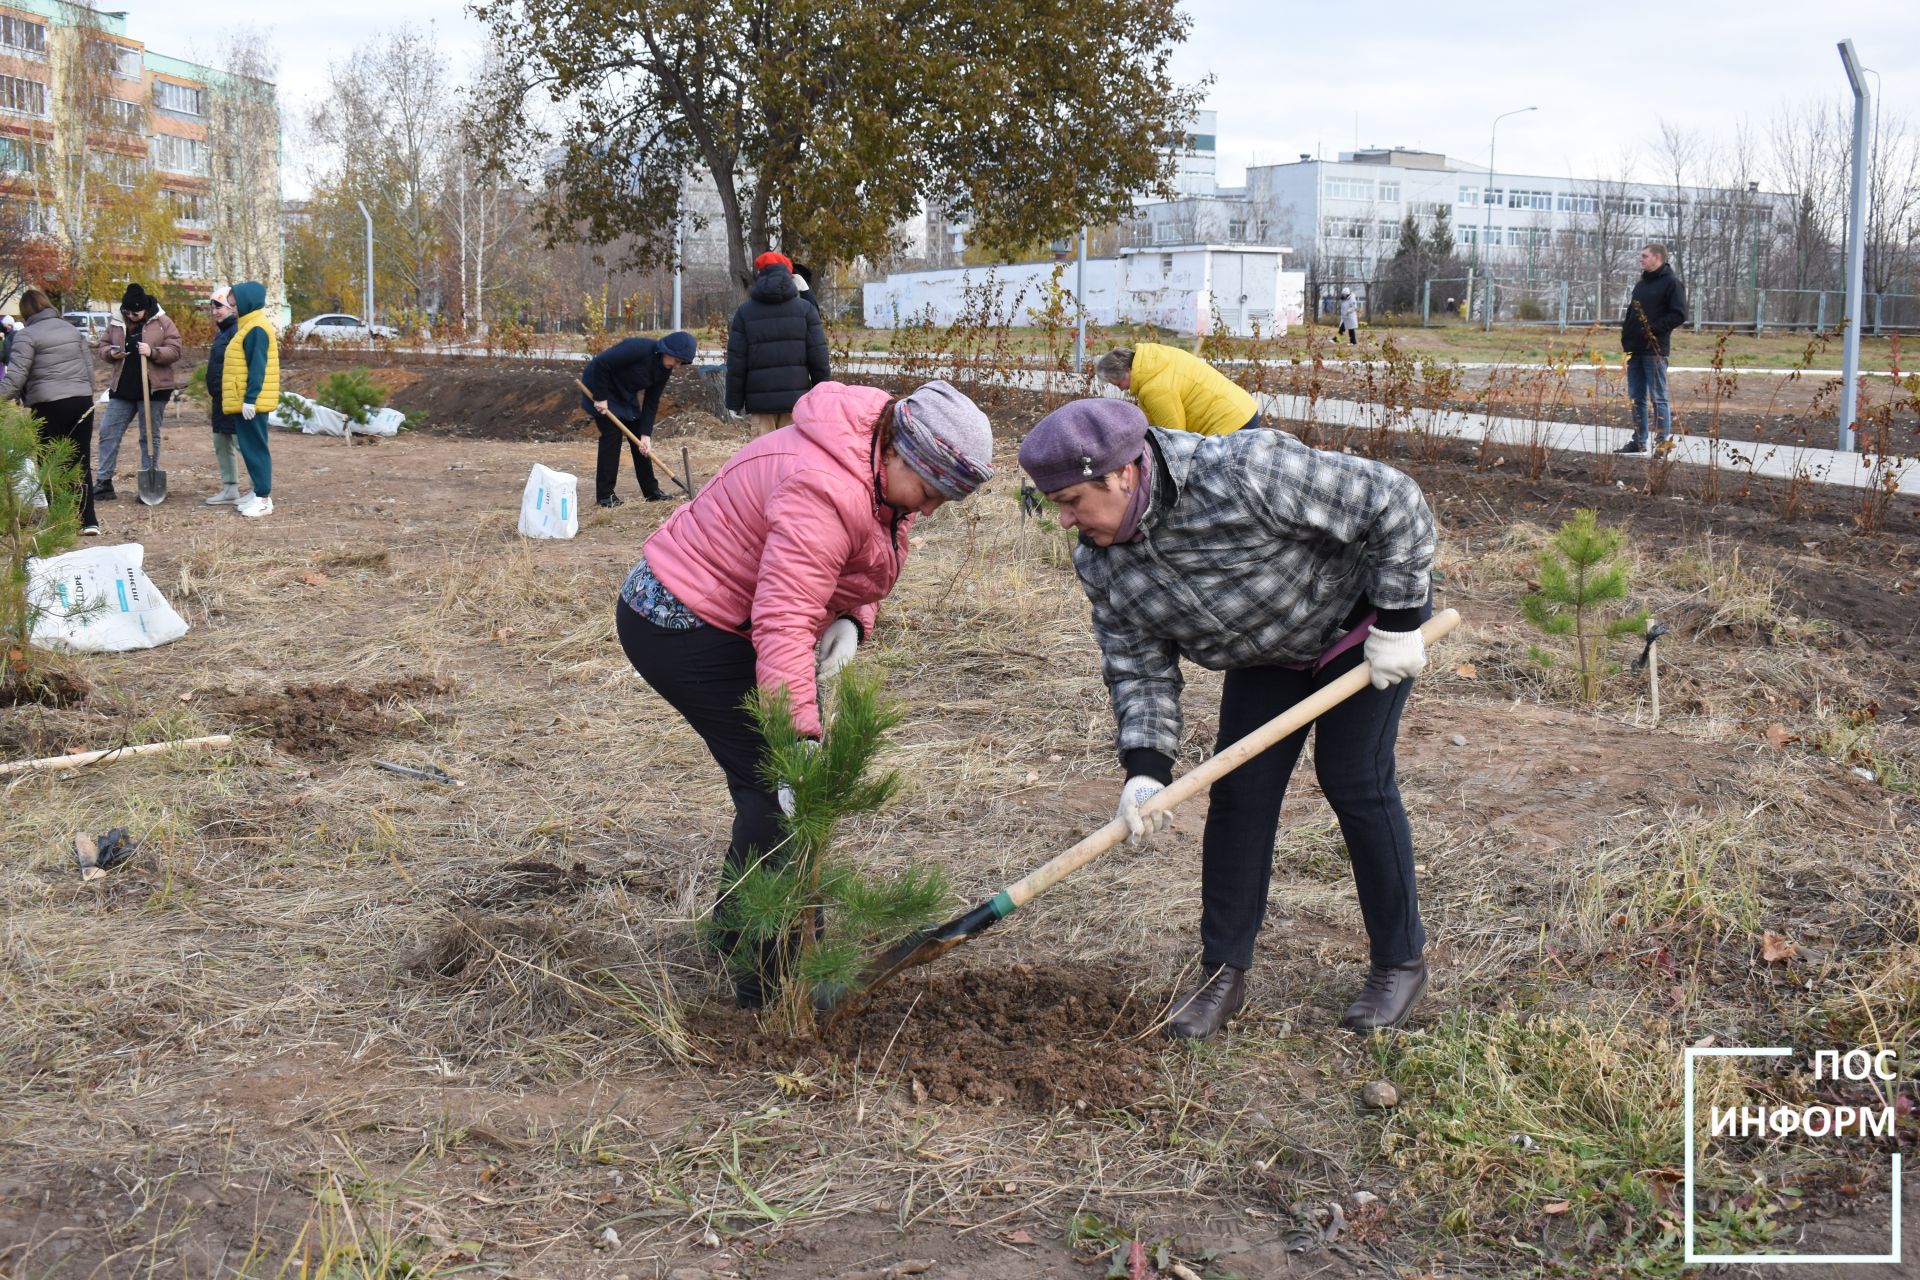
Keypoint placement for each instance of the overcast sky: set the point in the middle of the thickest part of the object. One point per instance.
(1293, 77)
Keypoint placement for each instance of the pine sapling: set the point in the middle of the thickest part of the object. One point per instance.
(1581, 573)
(803, 910)
(39, 517)
(353, 393)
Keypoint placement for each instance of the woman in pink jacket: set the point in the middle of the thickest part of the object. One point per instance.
(772, 575)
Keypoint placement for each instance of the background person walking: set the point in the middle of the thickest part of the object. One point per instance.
(146, 339)
(1349, 318)
(48, 371)
(776, 347)
(1658, 307)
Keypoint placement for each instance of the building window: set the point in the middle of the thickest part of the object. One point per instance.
(1350, 188)
(1237, 230)
(1529, 199)
(191, 208)
(1636, 207)
(1166, 264)
(1470, 196)
(180, 155)
(1577, 204)
(23, 97)
(121, 171)
(129, 64)
(18, 155)
(1389, 193)
(1164, 232)
(121, 114)
(21, 35)
(1467, 233)
(190, 261)
(179, 99)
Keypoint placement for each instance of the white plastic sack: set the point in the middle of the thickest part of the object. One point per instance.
(382, 422)
(27, 487)
(549, 508)
(99, 601)
(320, 420)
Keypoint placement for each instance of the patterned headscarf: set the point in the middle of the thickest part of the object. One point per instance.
(945, 438)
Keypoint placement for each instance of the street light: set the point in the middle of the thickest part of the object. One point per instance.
(1487, 223)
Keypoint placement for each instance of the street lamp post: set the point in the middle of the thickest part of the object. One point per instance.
(1486, 228)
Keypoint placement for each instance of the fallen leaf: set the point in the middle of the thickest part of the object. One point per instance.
(1467, 671)
(1018, 1237)
(1558, 1206)
(1775, 949)
(313, 578)
(1778, 735)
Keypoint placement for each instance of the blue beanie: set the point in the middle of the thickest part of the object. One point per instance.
(680, 345)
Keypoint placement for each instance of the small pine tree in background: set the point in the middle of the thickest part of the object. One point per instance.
(353, 393)
(823, 914)
(1581, 573)
(31, 472)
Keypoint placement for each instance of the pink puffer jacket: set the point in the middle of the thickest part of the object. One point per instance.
(790, 535)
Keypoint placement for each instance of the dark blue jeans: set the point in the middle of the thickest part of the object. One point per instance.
(1353, 759)
(1647, 380)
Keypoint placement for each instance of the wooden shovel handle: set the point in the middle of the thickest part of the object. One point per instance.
(1197, 779)
(646, 449)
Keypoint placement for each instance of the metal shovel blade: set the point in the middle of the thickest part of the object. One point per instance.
(153, 486)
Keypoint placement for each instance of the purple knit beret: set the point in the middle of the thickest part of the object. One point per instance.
(1081, 440)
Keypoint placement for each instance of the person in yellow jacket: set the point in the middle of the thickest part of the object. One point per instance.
(250, 390)
(1178, 390)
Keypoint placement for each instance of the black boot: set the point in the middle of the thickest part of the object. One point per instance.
(1390, 992)
(1204, 1010)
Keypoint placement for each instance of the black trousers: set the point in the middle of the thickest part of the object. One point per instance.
(706, 674)
(1353, 760)
(606, 469)
(68, 419)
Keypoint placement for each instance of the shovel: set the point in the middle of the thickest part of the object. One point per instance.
(153, 481)
(929, 945)
(646, 450)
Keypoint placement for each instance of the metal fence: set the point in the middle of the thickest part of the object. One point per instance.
(1576, 304)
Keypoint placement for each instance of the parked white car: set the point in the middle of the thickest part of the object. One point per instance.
(339, 328)
(91, 323)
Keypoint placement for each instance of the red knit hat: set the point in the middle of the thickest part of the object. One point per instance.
(772, 259)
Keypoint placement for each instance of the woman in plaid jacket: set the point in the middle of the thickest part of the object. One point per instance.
(1283, 566)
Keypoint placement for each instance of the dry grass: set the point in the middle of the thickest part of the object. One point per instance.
(338, 1020)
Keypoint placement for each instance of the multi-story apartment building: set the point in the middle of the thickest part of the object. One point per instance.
(89, 116)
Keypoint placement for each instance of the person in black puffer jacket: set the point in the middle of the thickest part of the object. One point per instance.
(1658, 307)
(776, 347)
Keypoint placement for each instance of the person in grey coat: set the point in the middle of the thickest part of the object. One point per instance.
(49, 370)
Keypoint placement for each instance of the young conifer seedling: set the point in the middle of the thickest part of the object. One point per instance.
(1581, 574)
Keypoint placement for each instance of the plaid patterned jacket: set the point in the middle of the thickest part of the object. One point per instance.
(1254, 554)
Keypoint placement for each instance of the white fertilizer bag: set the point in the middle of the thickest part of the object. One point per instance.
(310, 416)
(99, 601)
(26, 486)
(550, 507)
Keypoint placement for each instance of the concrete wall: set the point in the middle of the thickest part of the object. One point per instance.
(1003, 292)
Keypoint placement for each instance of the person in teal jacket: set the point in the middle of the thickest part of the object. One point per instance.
(250, 390)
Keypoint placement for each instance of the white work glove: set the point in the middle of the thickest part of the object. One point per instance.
(247, 411)
(1395, 655)
(836, 648)
(1140, 826)
(784, 792)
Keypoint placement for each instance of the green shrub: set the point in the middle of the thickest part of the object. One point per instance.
(29, 471)
(352, 393)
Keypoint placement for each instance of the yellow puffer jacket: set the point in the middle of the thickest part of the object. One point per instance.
(1186, 393)
(235, 370)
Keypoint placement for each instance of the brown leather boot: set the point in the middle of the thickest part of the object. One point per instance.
(1205, 1009)
(1388, 997)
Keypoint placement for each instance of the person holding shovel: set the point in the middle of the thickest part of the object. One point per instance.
(625, 381)
(772, 575)
(1283, 566)
(140, 352)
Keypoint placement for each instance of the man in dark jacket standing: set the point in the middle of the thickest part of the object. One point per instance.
(626, 380)
(1658, 307)
(776, 347)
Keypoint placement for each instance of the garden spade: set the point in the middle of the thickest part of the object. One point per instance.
(645, 448)
(153, 481)
(929, 945)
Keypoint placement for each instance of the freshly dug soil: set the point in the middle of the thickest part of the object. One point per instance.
(1066, 1036)
(46, 686)
(325, 721)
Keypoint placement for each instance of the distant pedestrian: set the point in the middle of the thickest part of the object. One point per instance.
(626, 380)
(225, 426)
(1178, 390)
(803, 281)
(1658, 307)
(1349, 318)
(144, 340)
(776, 347)
(8, 327)
(250, 391)
(49, 372)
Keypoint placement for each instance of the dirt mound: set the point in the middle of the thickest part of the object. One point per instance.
(325, 721)
(1066, 1036)
(46, 685)
(526, 402)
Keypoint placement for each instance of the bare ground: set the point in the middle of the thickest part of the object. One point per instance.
(336, 1016)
